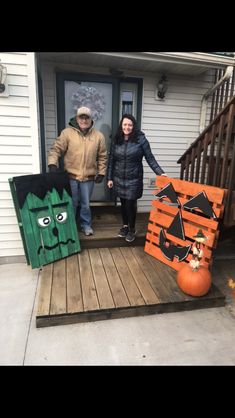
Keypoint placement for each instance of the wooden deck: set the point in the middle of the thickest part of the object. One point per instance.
(105, 283)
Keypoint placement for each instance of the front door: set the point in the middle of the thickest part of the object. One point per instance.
(98, 97)
(98, 94)
(105, 96)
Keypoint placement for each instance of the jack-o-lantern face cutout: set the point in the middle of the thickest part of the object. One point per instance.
(176, 228)
(180, 209)
(44, 208)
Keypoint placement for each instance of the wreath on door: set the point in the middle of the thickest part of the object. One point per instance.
(90, 97)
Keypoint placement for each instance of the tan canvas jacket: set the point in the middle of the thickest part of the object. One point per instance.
(84, 156)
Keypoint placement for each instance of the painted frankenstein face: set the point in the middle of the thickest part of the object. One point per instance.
(47, 216)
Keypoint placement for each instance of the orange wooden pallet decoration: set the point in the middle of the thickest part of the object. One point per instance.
(162, 244)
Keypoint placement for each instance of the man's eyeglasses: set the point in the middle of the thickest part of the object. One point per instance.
(84, 117)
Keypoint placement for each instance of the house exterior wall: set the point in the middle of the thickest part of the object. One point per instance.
(19, 142)
(170, 125)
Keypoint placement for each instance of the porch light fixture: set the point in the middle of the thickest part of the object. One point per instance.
(162, 87)
(3, 76)
(115, 72)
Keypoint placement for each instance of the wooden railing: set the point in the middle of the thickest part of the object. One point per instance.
(223, 94)
(211, 158)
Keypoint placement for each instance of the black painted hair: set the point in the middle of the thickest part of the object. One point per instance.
(40, 184)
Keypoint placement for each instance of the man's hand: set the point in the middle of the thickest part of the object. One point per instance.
(99, 178)
(52, 168)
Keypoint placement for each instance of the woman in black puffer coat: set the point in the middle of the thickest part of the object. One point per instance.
(125, 170)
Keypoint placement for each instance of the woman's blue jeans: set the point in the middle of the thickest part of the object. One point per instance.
(81, 192)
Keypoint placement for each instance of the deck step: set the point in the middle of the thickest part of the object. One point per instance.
(106, 224)
(106, 241)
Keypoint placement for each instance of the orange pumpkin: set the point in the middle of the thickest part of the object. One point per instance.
(194, 282)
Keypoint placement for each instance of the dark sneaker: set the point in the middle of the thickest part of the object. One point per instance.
(123, 232)
(130, 236)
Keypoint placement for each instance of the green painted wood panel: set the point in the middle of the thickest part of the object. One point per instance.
(45, 212)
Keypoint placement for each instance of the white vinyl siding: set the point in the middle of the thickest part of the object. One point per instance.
(49, 100)
(19, 141)
(172, 124)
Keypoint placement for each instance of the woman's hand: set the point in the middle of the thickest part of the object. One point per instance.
(164, 174)
(110, 184)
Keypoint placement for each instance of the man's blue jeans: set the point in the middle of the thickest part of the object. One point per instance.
(81, 192)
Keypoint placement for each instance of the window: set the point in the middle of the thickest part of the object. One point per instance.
(127, 102)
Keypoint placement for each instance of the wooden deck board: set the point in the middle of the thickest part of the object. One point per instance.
(112, 283)
(101, 281)
(141, 280)
(154, 275)
(134, 296)
(58, 289)
(74, 289)
(117, 289)
(90, 300)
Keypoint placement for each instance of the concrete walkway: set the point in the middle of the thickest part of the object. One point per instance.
(200, 337)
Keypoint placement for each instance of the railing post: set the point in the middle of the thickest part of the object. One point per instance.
(226, 147)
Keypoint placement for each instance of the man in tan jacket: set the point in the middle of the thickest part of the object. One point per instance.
(85, 159)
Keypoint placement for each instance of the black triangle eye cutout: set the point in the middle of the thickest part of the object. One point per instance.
(168, 191)
(200, 202)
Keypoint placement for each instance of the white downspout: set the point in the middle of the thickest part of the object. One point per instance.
(226, 76)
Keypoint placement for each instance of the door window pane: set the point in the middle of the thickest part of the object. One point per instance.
(127, 107)
(128, 99)
(127, 102)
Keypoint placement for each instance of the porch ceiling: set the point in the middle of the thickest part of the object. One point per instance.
(190, 63)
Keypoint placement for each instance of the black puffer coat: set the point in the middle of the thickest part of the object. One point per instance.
(125, 167)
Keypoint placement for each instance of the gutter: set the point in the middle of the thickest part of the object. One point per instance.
(226, 76)
(199, 59)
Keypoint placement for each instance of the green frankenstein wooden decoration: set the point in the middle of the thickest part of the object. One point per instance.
(45, 215)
